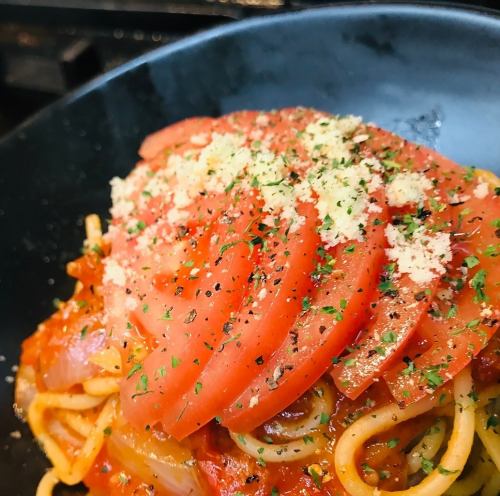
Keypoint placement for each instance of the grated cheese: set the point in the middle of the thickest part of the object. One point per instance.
(122, 191)
(326, 138)
(262, 294)
(114, 272)
(199, 139)
(342, 191)
(423, 257)
(343, 198)
(407, 188)
(360, 138)
(280, 198)
(131, 303)
(481, 190)
(342, 188)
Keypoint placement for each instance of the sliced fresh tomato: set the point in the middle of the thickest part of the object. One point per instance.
(327, 324)
(397, 314)
(203, 211)
(175, 136)
(186, 346)
(280, 282)
(157, 300)
(166, 291)
(397, 317)
(165, 273)
(466, 318)
(195, 132)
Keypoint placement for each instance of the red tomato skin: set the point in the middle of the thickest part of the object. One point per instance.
(143, 409)
(174, 135)
(185, 347)
(455, 341)
(324, 335)
(447, 176)
(402, 314)
(392, 326)
(236, 363)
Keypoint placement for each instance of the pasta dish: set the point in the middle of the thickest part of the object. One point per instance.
(284, 303)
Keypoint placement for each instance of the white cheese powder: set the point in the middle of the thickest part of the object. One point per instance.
(423, 256)
(114, 272)
(481, 190)
(407, 188)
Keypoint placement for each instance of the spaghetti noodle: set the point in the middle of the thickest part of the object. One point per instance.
(427, 447)
(451, 464)
(285, 303)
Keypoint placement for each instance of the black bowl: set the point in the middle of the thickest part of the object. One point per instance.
(429, 73)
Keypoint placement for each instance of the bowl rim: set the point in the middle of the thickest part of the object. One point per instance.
(457, 10)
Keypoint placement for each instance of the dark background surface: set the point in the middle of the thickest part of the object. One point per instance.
(431, 74)
(48, 47)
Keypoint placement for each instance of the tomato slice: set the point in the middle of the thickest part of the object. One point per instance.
(462, 324)
(157, 295)
(188, 340)
(395, 320)
(136, 311)
(175, 135)
(281, 281)
(322, 331)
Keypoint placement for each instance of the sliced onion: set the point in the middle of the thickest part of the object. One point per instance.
(60, 431)
(156, 459)
(73, 365)
(25, 389)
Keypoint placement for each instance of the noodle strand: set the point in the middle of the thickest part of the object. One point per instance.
(491, 487)
(276, 453)
(102, 386)
(475, 480)
(427, 447)
(75, 421)
(47, 483)
(452, 462)
(488, 436)
(307, 434)
(322, 404)
(64, 470)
